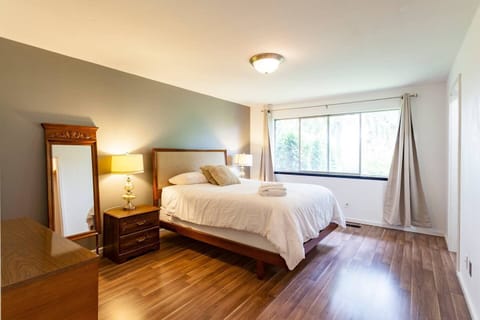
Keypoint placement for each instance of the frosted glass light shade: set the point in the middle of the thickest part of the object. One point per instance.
(266, 62)
(243, 160)
(127, 163)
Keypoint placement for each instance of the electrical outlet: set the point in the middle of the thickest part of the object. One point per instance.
(470, 268)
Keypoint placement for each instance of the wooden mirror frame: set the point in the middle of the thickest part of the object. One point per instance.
(60, 134)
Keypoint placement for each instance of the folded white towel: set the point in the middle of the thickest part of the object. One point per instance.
(273, 193)
(272, 189)
(271, 186)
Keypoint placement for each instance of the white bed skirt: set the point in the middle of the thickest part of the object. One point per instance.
(244, 237)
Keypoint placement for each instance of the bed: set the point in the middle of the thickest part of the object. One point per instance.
(235, 217)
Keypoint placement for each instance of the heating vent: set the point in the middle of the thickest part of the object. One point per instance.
(353, 225)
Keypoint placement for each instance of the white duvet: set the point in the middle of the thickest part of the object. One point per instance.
(287, 222)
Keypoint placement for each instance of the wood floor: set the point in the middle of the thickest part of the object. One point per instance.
(365, 273)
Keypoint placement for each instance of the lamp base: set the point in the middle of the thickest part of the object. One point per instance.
(128, 198)
(242, 172)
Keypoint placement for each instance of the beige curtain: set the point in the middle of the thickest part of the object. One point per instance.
(266, 164)
(404, 198)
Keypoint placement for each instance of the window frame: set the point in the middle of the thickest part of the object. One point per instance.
(330, 174)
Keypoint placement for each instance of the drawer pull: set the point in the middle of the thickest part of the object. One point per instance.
(141, 223)
(141, 239)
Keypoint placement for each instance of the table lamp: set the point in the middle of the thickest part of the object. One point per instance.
(242, 160)
(127, 164)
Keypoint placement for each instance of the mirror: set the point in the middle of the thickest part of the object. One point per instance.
(72, 176)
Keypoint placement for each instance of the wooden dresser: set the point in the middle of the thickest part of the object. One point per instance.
(45, 276)
(129, 233)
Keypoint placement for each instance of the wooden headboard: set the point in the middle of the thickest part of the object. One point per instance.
(170, 162)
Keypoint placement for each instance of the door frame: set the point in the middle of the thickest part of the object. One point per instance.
(454, 141)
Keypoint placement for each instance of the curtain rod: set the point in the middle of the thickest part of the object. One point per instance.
(414, 95)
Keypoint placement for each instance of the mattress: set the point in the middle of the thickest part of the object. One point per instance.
(285, 222)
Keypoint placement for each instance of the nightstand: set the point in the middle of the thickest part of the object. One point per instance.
(129, 233)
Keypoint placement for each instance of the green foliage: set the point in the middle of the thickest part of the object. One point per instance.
(287, 152)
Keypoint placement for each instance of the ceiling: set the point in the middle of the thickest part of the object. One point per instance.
(331, 47)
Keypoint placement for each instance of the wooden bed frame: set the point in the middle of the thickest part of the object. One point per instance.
(261, 256)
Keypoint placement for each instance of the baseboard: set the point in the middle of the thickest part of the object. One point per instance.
(468, 299)
(428, 231)
(448, 244)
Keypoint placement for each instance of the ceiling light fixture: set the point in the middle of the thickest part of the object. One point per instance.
(266, 62)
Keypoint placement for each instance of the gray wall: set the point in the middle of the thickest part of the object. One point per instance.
(133, 115)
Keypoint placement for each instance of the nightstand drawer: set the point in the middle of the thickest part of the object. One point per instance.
(138, 222)
(135, 240)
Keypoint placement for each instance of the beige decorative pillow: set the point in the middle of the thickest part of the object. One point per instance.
(223, 175)
(208, 175)
(188, 178)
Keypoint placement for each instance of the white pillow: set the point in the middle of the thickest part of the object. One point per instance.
(188, 178)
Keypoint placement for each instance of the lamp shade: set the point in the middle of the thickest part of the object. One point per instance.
(127, 163)
(243, 160)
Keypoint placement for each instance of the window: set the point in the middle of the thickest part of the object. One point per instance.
(344, 139)
(314, 149)
(287, 155)
(359, 144)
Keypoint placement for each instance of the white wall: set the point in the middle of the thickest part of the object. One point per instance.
(365, 197)
(133, 114)
(356, 204)
(468, 64)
